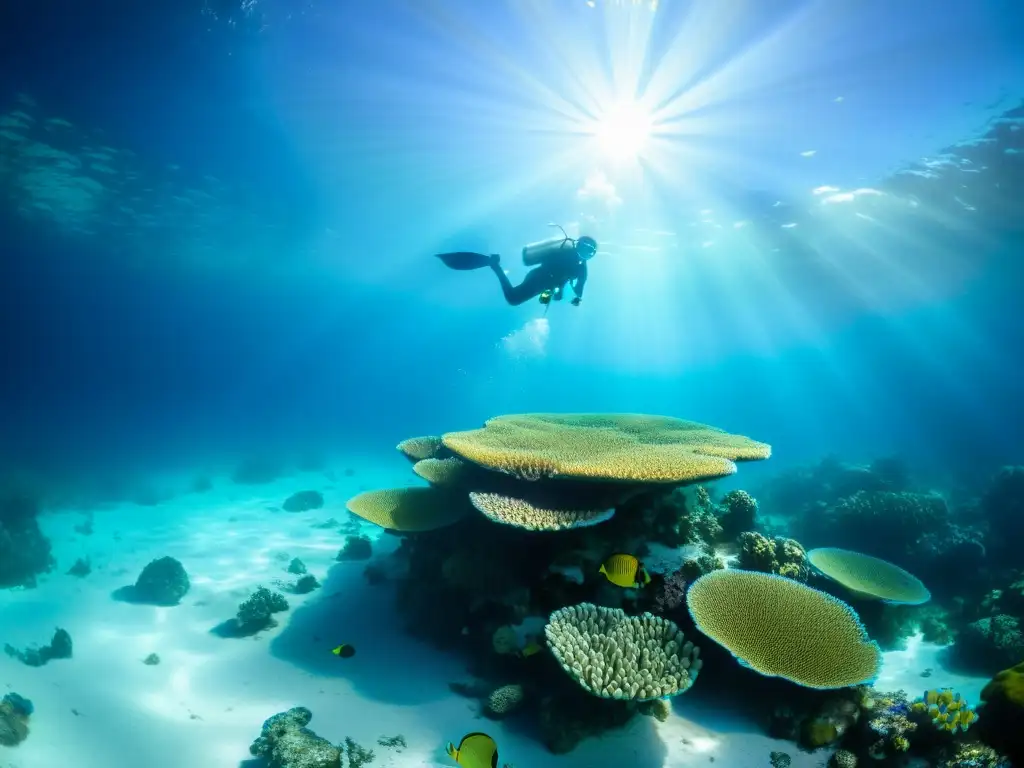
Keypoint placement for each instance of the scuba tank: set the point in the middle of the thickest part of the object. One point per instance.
(535, 253)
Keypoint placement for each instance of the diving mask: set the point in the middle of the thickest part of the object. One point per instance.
(586, 247)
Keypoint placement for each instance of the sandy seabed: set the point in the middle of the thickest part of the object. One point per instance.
(204, 703)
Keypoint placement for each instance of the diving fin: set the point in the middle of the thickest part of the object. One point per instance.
(465, 260)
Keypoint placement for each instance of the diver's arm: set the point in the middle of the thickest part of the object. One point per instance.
(579, 282)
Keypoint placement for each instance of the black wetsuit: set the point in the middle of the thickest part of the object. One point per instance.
(550, 275)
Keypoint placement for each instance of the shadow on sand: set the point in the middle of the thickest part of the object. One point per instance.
(388, 666)
(129, 594)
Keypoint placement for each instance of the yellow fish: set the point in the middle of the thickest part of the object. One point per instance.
(530, 649)
(476, 750)
(624, 571)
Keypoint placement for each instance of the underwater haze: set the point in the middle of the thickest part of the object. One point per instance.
(223, 307)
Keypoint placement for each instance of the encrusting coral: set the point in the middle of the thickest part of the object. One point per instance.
(616, 656)
(782, 628)
(869, 576)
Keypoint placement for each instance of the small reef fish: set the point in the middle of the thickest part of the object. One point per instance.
(344, 651)
(625, 571)
(476, 750)
(530, 649)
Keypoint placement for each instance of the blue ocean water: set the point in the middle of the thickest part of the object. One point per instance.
(219, 221)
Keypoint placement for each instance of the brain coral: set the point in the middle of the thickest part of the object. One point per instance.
(869, 576)
(616, 656)
(624, 447)
(523, 514)
(782, 628)
(409, 509)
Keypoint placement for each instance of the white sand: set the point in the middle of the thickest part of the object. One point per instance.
(205, 702)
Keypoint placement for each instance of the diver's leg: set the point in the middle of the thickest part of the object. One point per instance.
(534, 284)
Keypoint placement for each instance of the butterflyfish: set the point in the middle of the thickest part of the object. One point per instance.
(530, 649)
(625, 571)
(476, 750)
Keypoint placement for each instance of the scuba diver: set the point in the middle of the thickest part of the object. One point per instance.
(555, 262)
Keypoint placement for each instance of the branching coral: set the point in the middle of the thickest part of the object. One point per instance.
(616, 656)
(782, 628)
(256, 613)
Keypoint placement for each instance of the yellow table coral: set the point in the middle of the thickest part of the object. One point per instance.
(782, 628)
(623, 447)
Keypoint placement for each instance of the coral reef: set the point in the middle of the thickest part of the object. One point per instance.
(515, 525)
(60, 647)
(784, 557)
(152, 660)
(356, 548)
(1003, 507)
(297, 567)
(257, 612)
(616, 656)
(739, 513)
(303, 501)
(1002, 713)
(305, 585)
(162, 582)
(782, 628)
(15, 712)
(286, 742)
(24, 550)
(991, 643)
